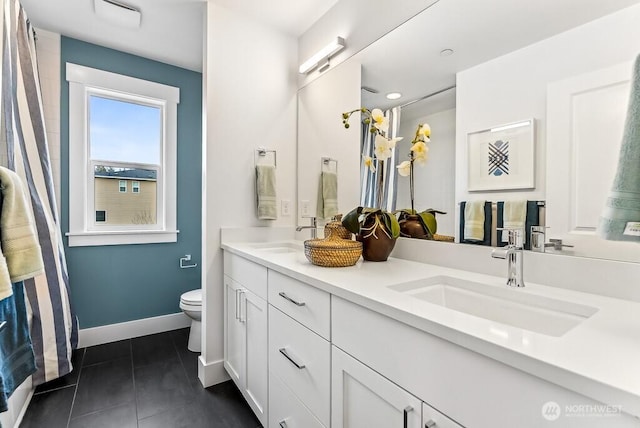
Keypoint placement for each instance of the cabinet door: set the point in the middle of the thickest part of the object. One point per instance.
(431, 418)
(361, 398)
(254, 317)
(234, 333)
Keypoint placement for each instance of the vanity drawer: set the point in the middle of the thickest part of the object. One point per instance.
(434, 419)
(301, 359)
(250, 275)
(286, 410)
(305, 303)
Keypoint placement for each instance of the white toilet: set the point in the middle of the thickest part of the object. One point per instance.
(191, 305)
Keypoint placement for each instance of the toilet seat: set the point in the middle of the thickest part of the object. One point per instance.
(192, 298)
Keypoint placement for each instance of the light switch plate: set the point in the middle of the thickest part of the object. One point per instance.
(305, 208)
(285, 207)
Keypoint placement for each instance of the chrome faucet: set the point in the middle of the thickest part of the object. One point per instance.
(539, 244)
(313, 226)
(513, 253)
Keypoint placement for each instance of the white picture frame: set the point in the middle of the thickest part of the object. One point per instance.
(502, 157)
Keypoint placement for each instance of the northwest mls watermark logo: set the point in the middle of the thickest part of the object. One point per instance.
(552, 411)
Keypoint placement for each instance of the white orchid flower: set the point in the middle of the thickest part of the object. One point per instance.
(425, 132)
(369, 163)
(421, 158)
(380, 122)
(419, 148)
(393, 142)
(404, 169)
(382, 148)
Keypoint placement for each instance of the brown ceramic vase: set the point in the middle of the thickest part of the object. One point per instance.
(376, 247)
(412, 227)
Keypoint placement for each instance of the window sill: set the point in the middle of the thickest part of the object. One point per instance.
(125, 237)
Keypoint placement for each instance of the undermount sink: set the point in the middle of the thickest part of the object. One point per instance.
(278, 247)
(513, 307)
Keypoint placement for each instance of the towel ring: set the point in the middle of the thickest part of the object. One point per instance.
(262, 152)
(326, 161)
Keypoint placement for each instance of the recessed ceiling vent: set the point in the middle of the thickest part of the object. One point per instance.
(117, 13)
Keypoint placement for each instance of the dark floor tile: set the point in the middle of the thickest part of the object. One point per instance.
(161, 386)
(103, 386)
(68, 379)
(50, 409)
(153, 349)
(180, 338)
(189, 416)
(107, 352)
(225, 403)
(116, 417)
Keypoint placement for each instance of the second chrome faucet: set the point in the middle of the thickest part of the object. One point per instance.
(513, 254)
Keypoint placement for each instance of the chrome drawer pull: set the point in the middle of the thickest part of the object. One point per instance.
(284, 296)
(430, 424)
(283, 351)
(283, 424)
(406, 415)
(237, 303)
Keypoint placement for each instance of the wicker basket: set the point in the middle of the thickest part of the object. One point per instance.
(335, 227)
(332, 251)
(443, 238)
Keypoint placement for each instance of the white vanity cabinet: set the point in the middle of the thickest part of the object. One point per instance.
(361, 398)
(245, 331)
(299, 354)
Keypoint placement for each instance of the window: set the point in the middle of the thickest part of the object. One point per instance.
(123, 130)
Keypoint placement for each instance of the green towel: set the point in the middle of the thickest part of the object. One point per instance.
(620, 220)
(18, 237)
(266, 192)
(514, 216)
(474, 221)
(328, 195)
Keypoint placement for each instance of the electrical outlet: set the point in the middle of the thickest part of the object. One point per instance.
(285, 207)
(305, 208)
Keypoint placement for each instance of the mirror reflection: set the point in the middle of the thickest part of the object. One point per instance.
(537, 65)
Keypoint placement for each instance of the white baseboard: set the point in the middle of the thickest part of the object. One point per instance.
(211, 373)
(24, 409)
(127, 330)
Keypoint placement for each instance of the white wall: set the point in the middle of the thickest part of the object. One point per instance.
(514, 87)
(322, 134)
(360, 22)
(434, 185)
(250, 101)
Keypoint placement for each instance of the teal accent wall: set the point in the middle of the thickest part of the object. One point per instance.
(118, 283)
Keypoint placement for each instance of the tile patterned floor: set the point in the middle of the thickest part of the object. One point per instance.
(146, 382)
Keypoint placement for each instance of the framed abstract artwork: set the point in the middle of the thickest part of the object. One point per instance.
(502, 158)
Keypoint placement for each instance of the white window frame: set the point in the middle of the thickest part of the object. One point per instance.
(83, 230)
(135, 185)
(120, 186)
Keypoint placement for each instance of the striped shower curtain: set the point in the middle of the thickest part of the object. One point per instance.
(24, 149)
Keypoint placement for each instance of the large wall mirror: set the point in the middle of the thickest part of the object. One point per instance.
(465, 66)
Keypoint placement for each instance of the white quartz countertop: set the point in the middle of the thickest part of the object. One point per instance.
(599, 358)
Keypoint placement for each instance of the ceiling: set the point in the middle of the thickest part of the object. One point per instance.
(408, 59)
(171, 31)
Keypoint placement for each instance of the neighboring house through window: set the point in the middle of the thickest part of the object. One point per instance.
(122, 134)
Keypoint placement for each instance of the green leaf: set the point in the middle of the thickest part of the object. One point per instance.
(429, 220)
(350, 220)
(395, 226)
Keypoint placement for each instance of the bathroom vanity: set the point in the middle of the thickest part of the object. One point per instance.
(408, 344)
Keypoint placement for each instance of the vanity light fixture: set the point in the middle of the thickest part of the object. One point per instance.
(393, 95)
(511, 126)
(321, 58)
(117, 13)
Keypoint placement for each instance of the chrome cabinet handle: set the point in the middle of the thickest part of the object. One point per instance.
(430, 423)
(243, 316)
(406, 415)
(284, 296)
(283, 351)
(283, 424)
(237, 304)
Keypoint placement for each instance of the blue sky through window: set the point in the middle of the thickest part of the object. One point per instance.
(124, 131)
